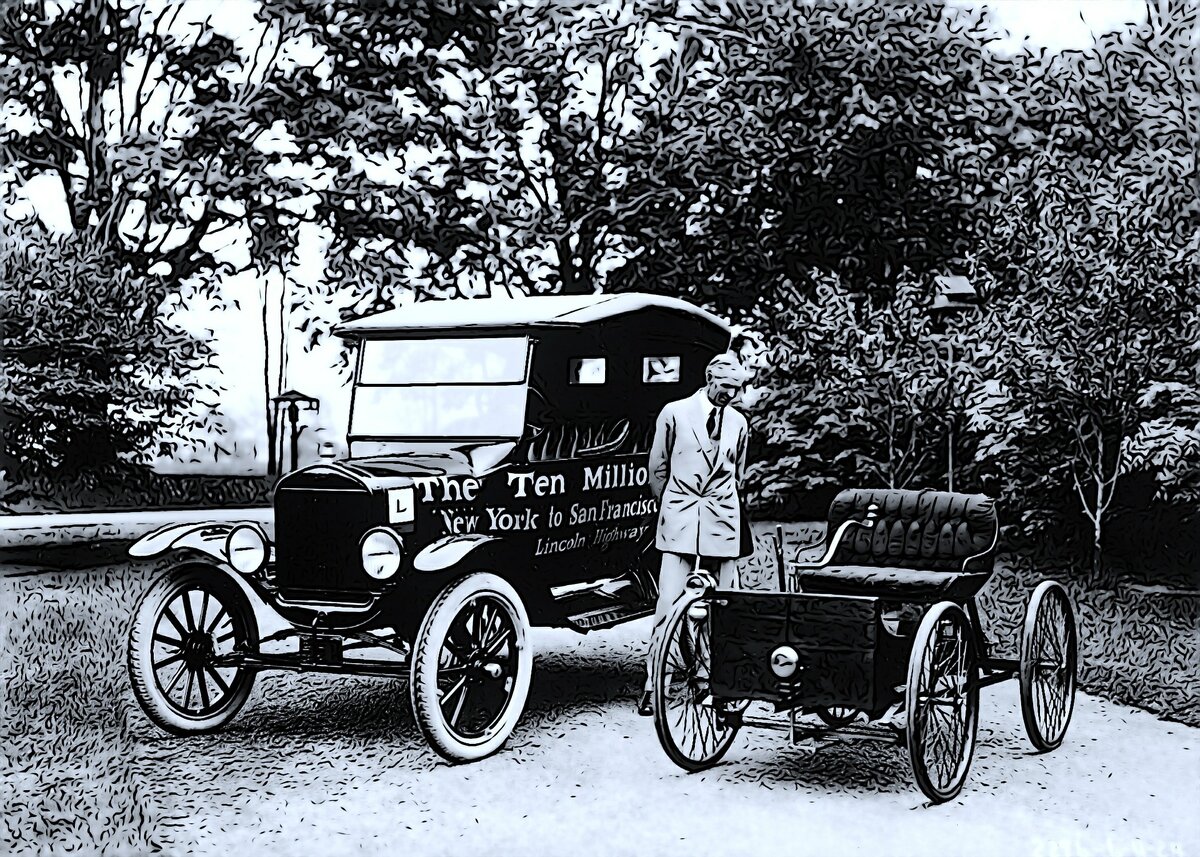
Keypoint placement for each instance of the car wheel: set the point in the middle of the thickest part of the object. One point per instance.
(942, 701)
(694, 728)
(1049, 651)
(186, 632)
(471, 667)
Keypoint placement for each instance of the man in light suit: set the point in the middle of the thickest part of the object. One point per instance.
(697, 463)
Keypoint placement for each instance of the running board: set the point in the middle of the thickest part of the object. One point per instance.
(606, 617)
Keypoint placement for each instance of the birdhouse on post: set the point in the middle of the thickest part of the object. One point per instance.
(953, 295)
(294, 403)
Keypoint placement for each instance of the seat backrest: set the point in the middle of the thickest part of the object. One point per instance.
(930, 530)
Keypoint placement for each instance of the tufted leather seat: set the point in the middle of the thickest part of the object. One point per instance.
(925, 546)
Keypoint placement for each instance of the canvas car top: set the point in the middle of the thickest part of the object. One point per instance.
(540, 311)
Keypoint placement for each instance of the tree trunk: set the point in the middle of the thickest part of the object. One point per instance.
(566, 273)
(574, 267)
(272, 464)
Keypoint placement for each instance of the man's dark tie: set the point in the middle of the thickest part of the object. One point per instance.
(714, 423)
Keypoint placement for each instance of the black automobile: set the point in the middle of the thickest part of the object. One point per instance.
(497, 478)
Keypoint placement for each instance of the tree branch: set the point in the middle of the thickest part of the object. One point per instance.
(542, 198)
(154, 45)
(1082, 497)
(601, 105)
(249, 88)
(577, 223)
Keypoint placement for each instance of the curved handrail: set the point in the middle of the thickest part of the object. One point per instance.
(839, 535)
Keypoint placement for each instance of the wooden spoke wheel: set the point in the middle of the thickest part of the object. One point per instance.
(1048, 662)
(942, 701)
(187, 631)
(471, 668)
(694, 729)
(837, 717)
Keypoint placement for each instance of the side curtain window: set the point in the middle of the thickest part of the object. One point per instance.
(660, 370)
(586, 370)
(561, 442)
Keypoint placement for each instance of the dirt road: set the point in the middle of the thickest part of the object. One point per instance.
(328, 765)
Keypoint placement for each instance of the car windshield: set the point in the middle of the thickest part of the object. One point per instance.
(441, 388)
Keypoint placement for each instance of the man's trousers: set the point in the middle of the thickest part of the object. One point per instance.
(672, 579)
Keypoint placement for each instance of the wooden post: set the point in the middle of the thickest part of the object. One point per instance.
(779, 564)
(294, 419)
(949, 414)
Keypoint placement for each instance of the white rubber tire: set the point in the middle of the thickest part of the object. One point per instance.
(157, 701)
(423, 686)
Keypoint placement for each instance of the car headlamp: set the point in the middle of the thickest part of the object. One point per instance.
(784, 661)
(246, 549)
(381, 553)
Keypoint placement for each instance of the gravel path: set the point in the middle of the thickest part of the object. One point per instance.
(329, 765)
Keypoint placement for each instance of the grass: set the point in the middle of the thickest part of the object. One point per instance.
(65, 757)
(1139, 648)
(81, 766)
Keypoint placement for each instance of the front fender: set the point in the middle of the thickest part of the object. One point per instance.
(207, 538)
(449, 551)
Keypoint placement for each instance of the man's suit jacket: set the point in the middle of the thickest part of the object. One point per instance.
(697, 480)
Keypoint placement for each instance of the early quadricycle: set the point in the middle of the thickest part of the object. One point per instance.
(497, 478)
(884, 628)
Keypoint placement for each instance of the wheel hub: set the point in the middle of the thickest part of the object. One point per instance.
(479, 667)
(198, 649)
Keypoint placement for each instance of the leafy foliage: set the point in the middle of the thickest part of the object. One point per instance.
(135, 114)
(138, 115)
(851, 393)
(90, 375)
(818, 137)
(1093, 259)
(379, 116)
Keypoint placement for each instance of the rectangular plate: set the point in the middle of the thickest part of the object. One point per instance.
(834, 637)
(401, 508)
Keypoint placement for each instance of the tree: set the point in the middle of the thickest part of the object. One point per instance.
(850, 393)
(377, 111)
(90, 376)
(1093, 250)
(591, 89)
(140, 117)
(835, 138)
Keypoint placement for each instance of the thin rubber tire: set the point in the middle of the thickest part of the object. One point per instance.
(704, 735)
(942, 674)
(1049, 644)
